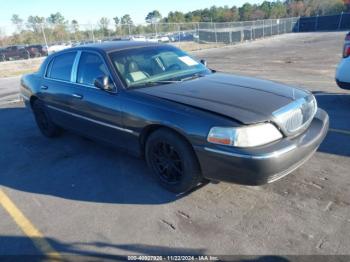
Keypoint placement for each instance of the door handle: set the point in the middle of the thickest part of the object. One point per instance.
(44, 87)
(77, 96)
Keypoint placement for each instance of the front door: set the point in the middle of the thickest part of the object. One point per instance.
(98, 112)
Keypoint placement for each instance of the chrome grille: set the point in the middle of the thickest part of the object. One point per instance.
(296, 116)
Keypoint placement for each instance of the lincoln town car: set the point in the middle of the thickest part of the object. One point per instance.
(190, 123)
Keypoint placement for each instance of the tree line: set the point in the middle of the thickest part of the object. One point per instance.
(266, 10)
(57, 27)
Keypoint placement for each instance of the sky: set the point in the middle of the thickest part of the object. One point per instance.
(89, 11)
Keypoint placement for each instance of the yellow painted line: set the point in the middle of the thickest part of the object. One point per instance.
(27, 227)
(340, 131)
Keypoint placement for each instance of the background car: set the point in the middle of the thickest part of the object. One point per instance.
(343, 70)
(184, 36)
(2, 57)
(138, 38)
(37, 50)
(58, 47)
(14, 52)
(163, 39)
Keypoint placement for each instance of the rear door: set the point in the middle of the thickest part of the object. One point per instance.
(57, 89)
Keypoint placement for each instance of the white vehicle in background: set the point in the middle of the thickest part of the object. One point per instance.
(152, 39)
(163, 39)
(343, 71)
(138, 38)
(58, 47)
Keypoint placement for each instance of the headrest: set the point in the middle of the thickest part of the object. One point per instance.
(133, 67)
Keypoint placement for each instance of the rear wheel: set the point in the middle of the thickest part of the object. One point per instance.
(43, 120)
(173, 161)
(26, 55)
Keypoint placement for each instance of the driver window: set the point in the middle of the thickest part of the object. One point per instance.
(90, 67)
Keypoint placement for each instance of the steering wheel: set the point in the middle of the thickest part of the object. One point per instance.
(174, 67)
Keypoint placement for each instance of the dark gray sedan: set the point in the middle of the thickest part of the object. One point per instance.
(190, 123)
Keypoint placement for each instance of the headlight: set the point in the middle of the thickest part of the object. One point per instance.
(247, 136)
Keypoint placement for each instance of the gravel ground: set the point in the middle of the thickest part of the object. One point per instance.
(19, 67)
(88, 199)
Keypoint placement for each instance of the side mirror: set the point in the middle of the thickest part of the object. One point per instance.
(103, 83)
(204, 62)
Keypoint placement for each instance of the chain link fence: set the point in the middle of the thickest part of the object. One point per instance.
(324, 23)
(189, 36)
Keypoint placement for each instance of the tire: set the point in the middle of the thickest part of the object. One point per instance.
(44, 122)
(173, 161)
(25, 55)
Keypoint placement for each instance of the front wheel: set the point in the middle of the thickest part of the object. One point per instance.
(173, 161)
(43, 120)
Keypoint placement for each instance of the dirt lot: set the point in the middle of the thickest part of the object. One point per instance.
(15, 68)
(88, 199)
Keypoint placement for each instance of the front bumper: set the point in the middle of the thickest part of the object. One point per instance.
(342, 75)
(343, 85)
(264, 164)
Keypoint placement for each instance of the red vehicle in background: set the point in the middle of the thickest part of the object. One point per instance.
(17, 52)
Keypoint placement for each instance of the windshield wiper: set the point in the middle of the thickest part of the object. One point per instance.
(194, 76)
(158, 82)
(164, 82)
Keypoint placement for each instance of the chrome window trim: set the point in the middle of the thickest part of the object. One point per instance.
(51, 63)
(74, 73)
(94, 121)
(75, 67)
(104, 62)
(274, 154)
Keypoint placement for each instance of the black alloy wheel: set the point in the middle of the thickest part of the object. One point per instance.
(167, 162)
(173, 161)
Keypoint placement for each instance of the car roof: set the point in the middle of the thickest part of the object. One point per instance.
(117, 45)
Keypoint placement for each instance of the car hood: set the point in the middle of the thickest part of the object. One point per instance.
(247, 100)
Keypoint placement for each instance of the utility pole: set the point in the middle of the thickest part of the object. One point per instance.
(43, 31)
(92, 33)
(340, 20)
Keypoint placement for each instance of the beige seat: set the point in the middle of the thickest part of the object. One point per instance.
(135, 74)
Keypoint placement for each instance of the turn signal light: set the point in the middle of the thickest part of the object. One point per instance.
(346, 51)
(347, 38)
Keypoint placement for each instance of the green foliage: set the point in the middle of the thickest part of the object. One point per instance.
(18, 22)
(126, 20)
(33, 23)
(103, 25)
(56, 19)
(116, 20)
(266, 10)
(153, 17)
(175, 17)
(314, 7)
(58, 29)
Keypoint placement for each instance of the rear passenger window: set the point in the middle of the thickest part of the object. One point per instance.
(90, 67)
(61, 67)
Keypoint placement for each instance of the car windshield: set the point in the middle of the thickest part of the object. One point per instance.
(140, 67)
